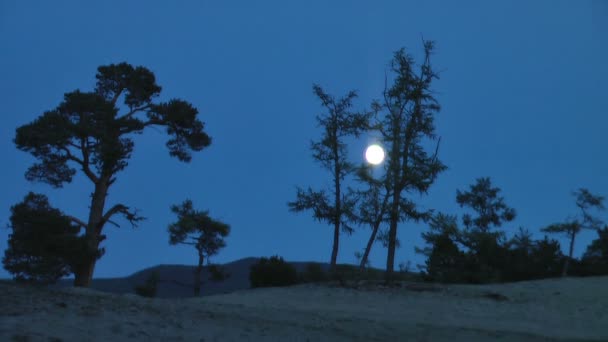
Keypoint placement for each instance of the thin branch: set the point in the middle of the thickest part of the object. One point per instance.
(188, 243)
(78, 221)
(70, 156)
(114, 223)
(436, 150)
(120, 209)
(85, 161)
(153, 122)
(135, 110)
(385, 93)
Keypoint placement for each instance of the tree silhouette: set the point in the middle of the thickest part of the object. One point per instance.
(44, 244)
(405, 120)
(445, 261)
(485, 244)
(337, 123)
(484, 256)
(490, 208)
(196, 228)
(86, 132)
(585, 201)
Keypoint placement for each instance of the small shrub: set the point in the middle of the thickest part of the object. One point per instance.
(313, 273)
(149, 288)
(273, 271)
(217, 273)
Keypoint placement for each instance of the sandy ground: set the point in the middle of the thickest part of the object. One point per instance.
(548, 310)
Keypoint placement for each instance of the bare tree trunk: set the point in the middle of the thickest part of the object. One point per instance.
(368, 248)
(334, 250)
(338, 213)
(392, 238)
(83, 275)
(381, 211)
(570, 252)
(197, 274)
(395, 169)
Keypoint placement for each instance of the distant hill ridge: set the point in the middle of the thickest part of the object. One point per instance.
(176, 280)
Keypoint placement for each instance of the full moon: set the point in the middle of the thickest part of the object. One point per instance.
(374, 154)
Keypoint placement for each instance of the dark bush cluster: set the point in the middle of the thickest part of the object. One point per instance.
(271, 272)
(313, 273)
(149, 288)
(508, 261)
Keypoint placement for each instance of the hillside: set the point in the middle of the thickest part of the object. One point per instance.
(570, 309)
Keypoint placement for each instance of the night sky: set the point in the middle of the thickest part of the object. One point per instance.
(523, 90)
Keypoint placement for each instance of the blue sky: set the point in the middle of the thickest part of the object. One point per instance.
(523, 90)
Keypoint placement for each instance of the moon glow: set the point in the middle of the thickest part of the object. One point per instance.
(374, 154)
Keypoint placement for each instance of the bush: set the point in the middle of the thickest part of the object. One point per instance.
(446, 263)
(313, 273)
(217, 273)
(595, 260)
(272, 272)
(149, 288)
(44, 244)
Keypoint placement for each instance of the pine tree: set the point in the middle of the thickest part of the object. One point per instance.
(197, 229)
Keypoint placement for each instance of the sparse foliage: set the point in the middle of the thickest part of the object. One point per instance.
(92, 132)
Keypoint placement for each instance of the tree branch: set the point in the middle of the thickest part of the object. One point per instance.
(132, 217)
(77, 221)
(135, 110)
(70, 156)
(188, 243)
(153, 122)
(85, 161)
